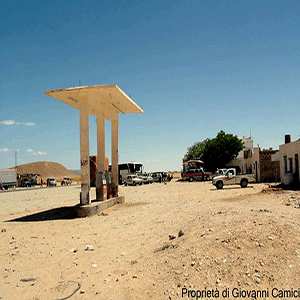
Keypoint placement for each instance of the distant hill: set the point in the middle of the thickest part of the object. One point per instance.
(77, 172)
(45, 169)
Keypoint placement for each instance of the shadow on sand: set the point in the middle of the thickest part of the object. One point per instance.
(59, 213)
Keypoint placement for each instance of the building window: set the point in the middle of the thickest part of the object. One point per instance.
(285, 164)
(247, 154)
(290, 165)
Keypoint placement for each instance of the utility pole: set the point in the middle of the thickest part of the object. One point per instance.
(16, 158)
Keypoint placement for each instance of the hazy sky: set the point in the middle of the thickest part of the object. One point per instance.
(195, 67)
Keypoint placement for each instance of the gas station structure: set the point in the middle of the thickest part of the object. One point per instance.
(104, 102)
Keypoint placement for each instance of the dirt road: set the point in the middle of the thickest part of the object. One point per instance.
(237, 239)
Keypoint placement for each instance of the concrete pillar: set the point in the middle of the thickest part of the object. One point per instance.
(84, 150)
(100, 155)
(115, 153)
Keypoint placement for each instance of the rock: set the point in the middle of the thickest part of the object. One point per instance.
(3, 230)
(89, 248)
(180, 233)
(28, 279)
(103, 214)
(94, 265)
(172, 236)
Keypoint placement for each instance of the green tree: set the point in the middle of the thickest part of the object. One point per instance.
(216, 152)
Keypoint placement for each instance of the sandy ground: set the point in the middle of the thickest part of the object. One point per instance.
(236, 239)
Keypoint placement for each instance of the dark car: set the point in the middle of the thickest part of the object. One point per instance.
(157, 177)
(161, 176)
(30, 182)
(194, 174)
(51, 182)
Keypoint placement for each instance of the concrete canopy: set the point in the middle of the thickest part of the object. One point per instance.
(106, 102)
(107, 99)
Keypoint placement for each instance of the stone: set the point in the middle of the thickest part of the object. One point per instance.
(89, 248)
(172, 236)
(180, 233)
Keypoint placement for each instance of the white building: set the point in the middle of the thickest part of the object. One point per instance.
(289, 161)
(247, 159)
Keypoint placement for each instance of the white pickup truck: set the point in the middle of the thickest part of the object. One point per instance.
(230, 177)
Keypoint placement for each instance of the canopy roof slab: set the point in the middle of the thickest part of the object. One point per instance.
(107, 99)
(106, 102)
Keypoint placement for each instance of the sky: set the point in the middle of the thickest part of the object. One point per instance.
(194, 67)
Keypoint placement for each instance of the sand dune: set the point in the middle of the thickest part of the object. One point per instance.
(46, 169)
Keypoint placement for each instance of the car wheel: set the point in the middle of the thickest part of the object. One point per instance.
(141, 183)
(244, 183)
(219, 185)
(191, 179)
(133, 183)
(125, 183)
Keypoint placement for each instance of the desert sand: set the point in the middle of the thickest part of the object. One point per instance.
(243, 240)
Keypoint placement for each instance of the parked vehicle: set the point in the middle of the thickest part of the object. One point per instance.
(66, 181)
(8, 178)
(150, 179)
(157, 177)
(144, 178)
(130, 168)
(231, 177)
(161, 176)
(192, 174)
(30, 182)
(51, 182)
(133, 180)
